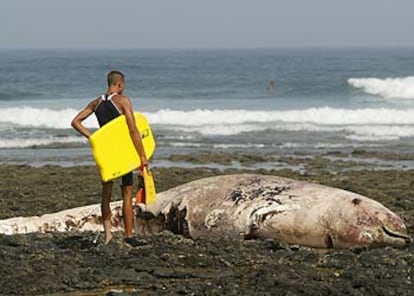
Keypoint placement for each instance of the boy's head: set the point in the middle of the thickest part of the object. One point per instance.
(116, 79)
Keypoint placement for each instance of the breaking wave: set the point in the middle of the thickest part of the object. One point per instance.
(42, 118)
(37, 142)
(60, 119)
(356, 124)
(401, 88)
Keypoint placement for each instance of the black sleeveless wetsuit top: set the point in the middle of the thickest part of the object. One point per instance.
(106, 110)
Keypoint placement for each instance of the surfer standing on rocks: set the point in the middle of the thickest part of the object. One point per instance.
(107, 107)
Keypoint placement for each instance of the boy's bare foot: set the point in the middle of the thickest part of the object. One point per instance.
(108, 238)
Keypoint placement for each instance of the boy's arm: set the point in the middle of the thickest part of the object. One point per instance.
(133, 131)
(81, 116)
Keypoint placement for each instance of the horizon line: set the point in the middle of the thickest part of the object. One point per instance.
(215, 47)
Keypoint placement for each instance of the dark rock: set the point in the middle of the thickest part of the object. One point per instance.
(169, 264)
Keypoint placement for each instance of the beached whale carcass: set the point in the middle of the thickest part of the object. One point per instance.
(252, 206)
(257, 206)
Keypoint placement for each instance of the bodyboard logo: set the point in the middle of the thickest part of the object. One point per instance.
(145, 133)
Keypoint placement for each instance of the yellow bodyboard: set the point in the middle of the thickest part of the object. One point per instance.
(150, 192)
(113, 150)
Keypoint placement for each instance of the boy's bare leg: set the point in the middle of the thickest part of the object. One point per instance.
(106, 210)
(127, 210)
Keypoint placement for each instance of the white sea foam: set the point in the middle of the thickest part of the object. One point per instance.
(215, 146)
(60, 119)
(186, 144)
(239, 146)
(379, 132)
(321, 145)
(359, 124)
(42, 118)
(30, 142)
(381, 123)
(319, 116)
(402, 88)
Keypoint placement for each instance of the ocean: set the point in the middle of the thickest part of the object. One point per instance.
(323, 100)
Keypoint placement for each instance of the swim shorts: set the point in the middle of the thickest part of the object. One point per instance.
(127, 180)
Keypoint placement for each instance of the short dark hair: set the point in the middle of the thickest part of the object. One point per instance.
(114, 77)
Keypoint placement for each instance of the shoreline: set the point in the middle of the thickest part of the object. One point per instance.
(300, 161)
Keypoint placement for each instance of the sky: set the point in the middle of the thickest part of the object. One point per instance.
(205, 24)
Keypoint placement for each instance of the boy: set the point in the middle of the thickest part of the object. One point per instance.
(106, 107)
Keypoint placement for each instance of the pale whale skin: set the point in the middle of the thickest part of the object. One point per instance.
(246, 206)
(257, 206)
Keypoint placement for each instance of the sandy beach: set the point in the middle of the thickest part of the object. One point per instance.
(70, 264)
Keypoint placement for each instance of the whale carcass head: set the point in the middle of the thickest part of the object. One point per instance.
(339, 220)
(368, 223)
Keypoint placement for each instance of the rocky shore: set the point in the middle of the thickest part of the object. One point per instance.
(167, 264)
